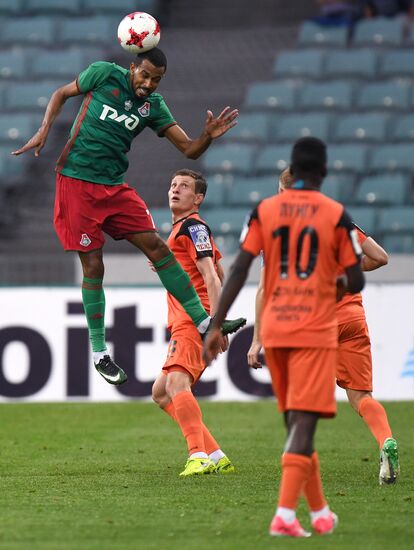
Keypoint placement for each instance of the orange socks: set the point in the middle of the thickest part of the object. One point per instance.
(313, 487)
(375, 418)
(210, 443)
(295, 473)
(189, 418)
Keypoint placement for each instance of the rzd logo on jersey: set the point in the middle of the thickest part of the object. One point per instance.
(131, 121)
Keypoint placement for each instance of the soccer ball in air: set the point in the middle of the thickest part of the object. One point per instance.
(138, 32)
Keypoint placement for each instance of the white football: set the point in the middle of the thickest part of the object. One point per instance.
(138, 32)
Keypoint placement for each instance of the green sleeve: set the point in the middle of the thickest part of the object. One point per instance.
(161, 118)
(94, 76)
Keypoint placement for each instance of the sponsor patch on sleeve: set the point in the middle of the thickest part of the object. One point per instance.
(200, 237)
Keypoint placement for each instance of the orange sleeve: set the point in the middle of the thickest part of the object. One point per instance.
(348, 244)
(251, 239)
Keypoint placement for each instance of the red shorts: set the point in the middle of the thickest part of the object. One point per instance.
(85, 210)
(303, 379)
(185, 352)
(354, 370)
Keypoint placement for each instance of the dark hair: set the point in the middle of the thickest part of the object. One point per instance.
(309, 158)
(200, 182)
(155, 56)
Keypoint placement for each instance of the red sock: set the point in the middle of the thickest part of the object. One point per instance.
(375, 418)
(295, 473)
(313, 487)
(189, 418)
(170, 410)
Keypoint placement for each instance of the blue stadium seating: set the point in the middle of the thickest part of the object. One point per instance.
(401, 243)
(28, 30)
(392, 157)
(249, 191)
(273, 158)
(292, 127)
(364, 217)
(11, 6)
(18, 127)
(31, 95)
(333, 95)
(229, 158)
(361, 127)
(50, 6)
(347, 158)
(274, 94)
(338, 187)
(397, 219)
(397, 63)
(122, 6)
(216, 192)
(383, 189)
(403, 128)
(226, 220)
(251, 126)
(162, 219)
(64, 63)
(312, 34)
(389, 94)
(299, 63)
(378, 31)
(10, 167)
(343, 63)
(12, 64)
(94, 30)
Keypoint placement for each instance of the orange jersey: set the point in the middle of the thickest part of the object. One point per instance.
(351, 308)
(190, 240)
(307, 239)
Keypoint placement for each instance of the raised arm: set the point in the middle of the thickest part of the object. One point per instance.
(56, 102)
(214, 127)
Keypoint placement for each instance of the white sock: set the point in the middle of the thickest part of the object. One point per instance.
(199, 455)
(203, 326)
(98, 355)
(287, 514)
(322, 513)
(216, 455)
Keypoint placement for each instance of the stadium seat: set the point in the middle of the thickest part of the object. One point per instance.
(338, 187)
(273, 158)
(122, 6)
(12, 64)
(226, 220)
(299, 63)
(50, 6)
(162, 219)
(361, 126)
(403, 128)
(64, 63)
(18, 127)
(216, 192)
(274, 94)
(395, 63)
(392, 157)
(292, 127)
(334, 95)
(364, 217)
(312, 34)
(401, 243)
(30, 95)
(8, 6)
(249, 191)
(95, 29)
(227, 244)
(344, 63)
(251, 126)
(10, 167)
(347, 158)
(383, 189)
(233, 157)
(398, 219)
(28, 31)
(390, 94)
(378, 31)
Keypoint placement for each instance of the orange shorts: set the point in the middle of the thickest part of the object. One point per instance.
(303, 379)
(354, 358)
(185, 352)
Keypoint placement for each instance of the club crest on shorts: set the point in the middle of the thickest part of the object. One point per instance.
(200, 237)
(144, 110)
(85, 240)
(128, 105)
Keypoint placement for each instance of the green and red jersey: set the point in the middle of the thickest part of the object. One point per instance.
(110, 117)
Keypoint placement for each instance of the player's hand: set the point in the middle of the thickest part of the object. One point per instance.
(37, 142)
(224, 343)
(211, 346)
(217, 126)
(253, 355)
(341, 287)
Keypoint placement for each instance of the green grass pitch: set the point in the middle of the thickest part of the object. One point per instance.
(105, 476)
